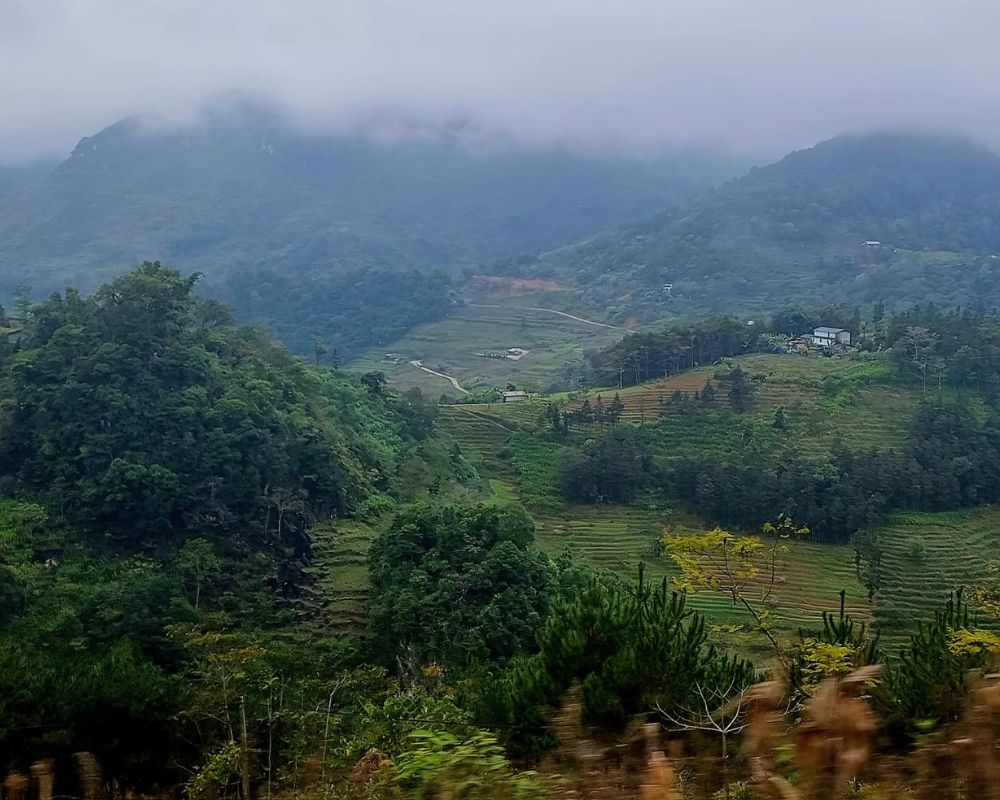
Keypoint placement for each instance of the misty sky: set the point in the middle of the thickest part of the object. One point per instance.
(759, 76)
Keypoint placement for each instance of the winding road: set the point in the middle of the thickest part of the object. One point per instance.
(454, 382)
(550, 311)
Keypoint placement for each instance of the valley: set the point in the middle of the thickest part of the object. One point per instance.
(464, 401)
(826, 404)
(471, 345)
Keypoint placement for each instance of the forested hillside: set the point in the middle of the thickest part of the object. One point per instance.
(303, 229)
(226, 572)
(927, 206)
(161, 474)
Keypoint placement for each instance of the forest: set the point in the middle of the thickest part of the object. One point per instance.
(164, 475)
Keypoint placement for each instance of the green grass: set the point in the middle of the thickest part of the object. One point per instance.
(619, 538)
(449, 346)
(335, 602)
(926, 556)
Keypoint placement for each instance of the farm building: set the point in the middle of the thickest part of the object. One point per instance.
(828, 337)
(514, 396)
(10, 329)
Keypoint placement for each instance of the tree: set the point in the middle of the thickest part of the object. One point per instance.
(457, 585)
(616, 409)
(22, 301)
(780, 421)
(375, 382)
(915, 350)
(319, 350)
(930, 682)
(744, 569)
(630, 646)
(740, 390)
(198, 561)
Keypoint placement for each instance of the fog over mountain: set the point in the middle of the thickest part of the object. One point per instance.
(762, 78)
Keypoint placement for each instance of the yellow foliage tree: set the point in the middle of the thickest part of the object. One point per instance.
(742, 568)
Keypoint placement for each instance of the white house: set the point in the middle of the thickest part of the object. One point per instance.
(513, 397)
(828, 337)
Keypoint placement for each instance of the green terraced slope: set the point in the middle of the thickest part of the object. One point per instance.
(926, 556)
(618, 539)
(334, 603)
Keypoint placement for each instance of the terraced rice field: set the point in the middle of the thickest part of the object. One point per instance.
(926, 556)
(809, 578)
(450, 346)
(334, 603)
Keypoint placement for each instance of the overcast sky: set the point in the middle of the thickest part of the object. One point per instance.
(760, 76)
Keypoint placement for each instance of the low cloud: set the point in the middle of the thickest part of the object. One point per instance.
(760, 77)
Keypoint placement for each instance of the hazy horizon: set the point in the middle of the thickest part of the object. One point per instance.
(639, 75)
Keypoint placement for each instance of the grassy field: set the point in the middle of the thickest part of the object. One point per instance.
(926, 556)
(450, 346)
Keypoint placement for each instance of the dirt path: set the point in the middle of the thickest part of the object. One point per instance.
(454, 382)
(552, 311)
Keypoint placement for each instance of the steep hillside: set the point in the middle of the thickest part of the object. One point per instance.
(263, 209)
(901, 217)
(17, 177)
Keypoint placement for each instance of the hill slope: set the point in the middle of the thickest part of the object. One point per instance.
(244, 197)
(796, 230)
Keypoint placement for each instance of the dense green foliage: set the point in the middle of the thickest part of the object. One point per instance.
(454, 586)
(245, 197)
(629, 647)
(615, 469)
(143, 417)
(343, 312)
(645, 356)
(794, 231)
(73, 629)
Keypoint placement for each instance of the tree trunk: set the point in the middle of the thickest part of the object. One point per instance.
(244, 751)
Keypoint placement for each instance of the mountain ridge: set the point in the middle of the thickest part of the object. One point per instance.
(795, 230)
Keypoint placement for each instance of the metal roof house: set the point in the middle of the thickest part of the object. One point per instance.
(514, 396)
(828, 337)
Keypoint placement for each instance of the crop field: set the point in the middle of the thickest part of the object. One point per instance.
(334, 603)
(825, 401)
(809, 579)
(449, 346)
(482, 437)
(926, 556)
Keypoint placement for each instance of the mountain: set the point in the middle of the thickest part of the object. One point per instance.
(805, 229)
(244, 195)
(16, 177)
